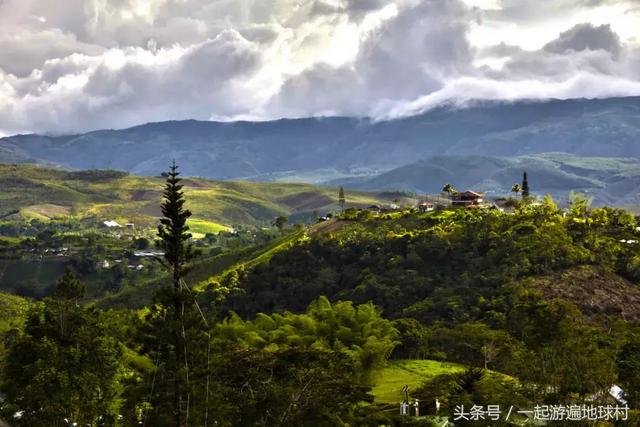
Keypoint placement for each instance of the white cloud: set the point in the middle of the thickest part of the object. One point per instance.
(116, 63)
(467, 90)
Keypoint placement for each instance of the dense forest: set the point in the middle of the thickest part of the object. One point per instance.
(536, 306)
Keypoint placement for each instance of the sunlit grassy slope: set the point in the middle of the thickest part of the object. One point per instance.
(38, 193)
(391, 380)
(13, 313)
(12, 309)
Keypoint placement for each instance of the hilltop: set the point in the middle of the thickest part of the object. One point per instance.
(608, 180)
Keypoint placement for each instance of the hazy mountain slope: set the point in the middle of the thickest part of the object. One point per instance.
(264, 150)
(209, 149)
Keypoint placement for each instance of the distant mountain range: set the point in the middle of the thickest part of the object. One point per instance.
(486, 144)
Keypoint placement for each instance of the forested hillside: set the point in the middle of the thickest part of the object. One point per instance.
(439, 264)
(517, 293)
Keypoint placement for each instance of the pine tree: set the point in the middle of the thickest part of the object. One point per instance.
(525, 186)
(174, 236)
(341, 199)
(173, 230)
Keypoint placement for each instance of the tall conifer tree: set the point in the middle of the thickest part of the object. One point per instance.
(525, 186)
(174, 240)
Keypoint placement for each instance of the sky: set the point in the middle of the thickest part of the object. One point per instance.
(76, 65)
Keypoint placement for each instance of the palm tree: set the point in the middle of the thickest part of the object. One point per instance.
(516, 188)
(449, 189)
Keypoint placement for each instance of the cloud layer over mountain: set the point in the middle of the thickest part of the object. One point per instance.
(75, 65)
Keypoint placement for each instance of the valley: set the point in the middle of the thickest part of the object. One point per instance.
(454, 302)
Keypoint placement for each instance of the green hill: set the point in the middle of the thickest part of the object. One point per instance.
(32, 192)
(442, 263)
(40, 203)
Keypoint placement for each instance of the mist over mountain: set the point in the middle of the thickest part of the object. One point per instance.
(361, 151)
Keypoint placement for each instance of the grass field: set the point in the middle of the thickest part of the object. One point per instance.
(391, 380)
(199, 227)
(257, 256)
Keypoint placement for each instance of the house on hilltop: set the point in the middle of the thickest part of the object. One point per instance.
(467, 199)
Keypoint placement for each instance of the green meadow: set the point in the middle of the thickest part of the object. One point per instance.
(391, 379)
